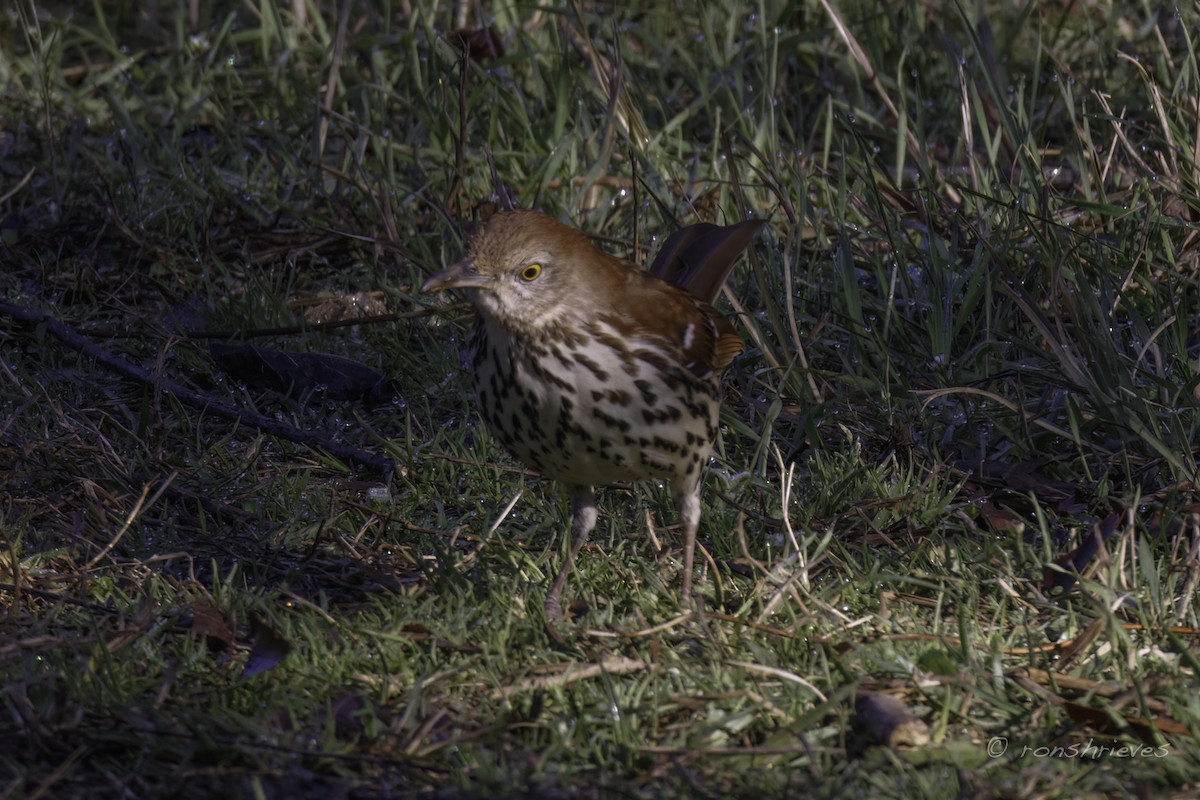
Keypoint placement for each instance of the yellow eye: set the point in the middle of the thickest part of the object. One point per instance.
(531, 272)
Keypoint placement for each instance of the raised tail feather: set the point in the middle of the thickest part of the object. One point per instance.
(699, 257)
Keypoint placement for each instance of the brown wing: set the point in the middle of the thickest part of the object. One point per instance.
(728, 345)
(705, 340)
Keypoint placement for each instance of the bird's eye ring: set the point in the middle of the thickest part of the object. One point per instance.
(531, 272)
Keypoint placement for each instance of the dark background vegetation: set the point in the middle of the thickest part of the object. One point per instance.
(956, 467)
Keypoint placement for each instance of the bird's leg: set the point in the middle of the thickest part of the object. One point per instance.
(689, 514)
(583, 519)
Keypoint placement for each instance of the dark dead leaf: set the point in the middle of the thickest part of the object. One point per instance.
(210, 624)
(300, 375)
(481, 44)
(267, 648)
(1076, 563)
(347, 711)
(999, 519)
(1022, 479)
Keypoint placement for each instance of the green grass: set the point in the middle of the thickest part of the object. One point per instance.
(971, 329)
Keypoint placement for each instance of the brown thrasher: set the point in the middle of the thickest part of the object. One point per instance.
(591, 370)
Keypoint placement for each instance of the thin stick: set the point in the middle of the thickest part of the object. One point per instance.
(77, 341)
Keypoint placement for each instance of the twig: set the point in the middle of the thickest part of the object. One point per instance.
(137, 509)
(77, 341)
(567, 674)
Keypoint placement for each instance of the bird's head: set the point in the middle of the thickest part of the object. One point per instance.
(526, 271)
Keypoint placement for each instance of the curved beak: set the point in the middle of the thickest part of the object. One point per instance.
(461, 275)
